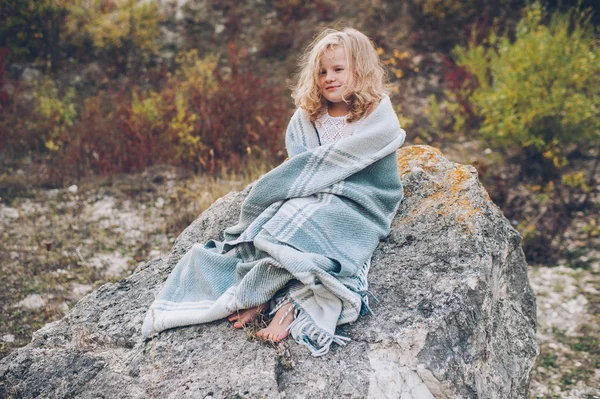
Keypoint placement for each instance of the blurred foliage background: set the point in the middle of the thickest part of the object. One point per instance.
(91, 87)
(122, 120)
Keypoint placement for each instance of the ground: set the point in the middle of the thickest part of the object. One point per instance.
(57, 245)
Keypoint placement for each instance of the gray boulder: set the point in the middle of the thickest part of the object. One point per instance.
(456, 317)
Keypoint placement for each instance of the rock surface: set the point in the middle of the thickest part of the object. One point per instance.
(455, 318)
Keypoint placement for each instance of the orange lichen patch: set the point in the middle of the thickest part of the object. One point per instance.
(452, 193)
(422, 156)
(408, 192)
(455, 181)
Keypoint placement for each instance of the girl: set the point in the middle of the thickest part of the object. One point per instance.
(308, 228)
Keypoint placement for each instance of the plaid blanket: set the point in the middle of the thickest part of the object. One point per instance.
(306, 232)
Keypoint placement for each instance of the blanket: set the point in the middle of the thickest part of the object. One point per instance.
(306, 233)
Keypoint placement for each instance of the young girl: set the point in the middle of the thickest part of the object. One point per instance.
(308, 228)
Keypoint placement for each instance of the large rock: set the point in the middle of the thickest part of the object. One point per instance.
(455, 317)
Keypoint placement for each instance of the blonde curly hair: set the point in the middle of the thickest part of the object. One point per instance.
(367, 82)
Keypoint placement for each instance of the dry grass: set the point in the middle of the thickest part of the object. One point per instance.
(58, 245)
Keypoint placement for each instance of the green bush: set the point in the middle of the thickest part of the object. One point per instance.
(540, 91)
(536, 97)
(30, 29)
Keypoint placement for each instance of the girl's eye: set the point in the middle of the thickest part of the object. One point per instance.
(339, 69)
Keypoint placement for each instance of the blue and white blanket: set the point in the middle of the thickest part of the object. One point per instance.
(307, 231)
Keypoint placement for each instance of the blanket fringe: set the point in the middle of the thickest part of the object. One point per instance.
(365, 308)
(306, 332)
(361, 276)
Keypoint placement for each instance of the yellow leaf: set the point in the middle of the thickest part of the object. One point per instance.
(404, 55)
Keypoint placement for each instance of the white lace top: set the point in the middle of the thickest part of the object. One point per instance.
(333, 128)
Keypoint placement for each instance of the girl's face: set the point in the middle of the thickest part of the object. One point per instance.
(333, 75)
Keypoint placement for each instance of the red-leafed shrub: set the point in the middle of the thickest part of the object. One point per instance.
(460, 83)
(210, 115)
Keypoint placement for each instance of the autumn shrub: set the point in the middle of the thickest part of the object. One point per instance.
(460, 85)
(122, 34)
(537, 99)
(211, 114)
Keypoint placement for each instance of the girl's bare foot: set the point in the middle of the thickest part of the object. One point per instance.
(243, 317)
(277, 329)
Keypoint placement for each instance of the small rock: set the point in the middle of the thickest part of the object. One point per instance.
(10, 213)
(78, 291)
(73, 189)
(33, 301)
(589, 290)
(155, 253)
(114, 263)
(8, 338)
(30, 74)
(160, 202)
